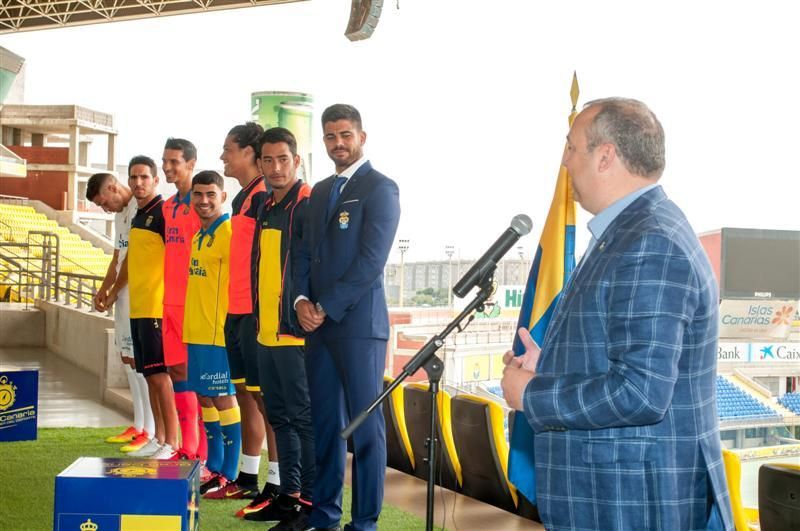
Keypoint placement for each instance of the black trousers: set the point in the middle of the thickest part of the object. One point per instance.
(284, 386)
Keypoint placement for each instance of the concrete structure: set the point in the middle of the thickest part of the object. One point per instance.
(12, 90)
(54, 139)
(21, 325)
(68, 395)
(84, 338)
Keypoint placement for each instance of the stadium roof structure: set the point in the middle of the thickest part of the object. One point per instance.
(30, 15)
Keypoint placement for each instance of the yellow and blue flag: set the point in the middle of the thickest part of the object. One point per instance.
(554, 261)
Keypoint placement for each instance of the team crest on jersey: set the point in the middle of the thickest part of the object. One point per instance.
(148, 221)
(344, 219)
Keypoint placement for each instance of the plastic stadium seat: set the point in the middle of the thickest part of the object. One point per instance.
(779, 497)
(479, 437)
(418, 414)
(742, 516)
(398, 447)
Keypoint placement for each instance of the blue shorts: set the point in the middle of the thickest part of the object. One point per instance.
(209, 374)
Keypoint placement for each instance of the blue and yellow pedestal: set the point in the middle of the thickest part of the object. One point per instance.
(97, 494)
(19, 397)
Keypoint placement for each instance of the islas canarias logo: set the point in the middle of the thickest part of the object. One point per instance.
(783, 316)
(132, 471)
(8, 393)
(88, 525)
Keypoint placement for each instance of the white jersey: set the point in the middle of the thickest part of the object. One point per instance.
(122, 228)
(122, 322)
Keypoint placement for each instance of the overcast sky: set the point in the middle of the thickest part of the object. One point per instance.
(465, 102)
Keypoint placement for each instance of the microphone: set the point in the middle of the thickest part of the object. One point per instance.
(520, 226)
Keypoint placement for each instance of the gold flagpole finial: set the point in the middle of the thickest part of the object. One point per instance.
(574, 91)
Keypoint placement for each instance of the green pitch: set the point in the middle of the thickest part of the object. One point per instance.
(27, 481)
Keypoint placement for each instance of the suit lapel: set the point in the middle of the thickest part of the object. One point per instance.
(606, 242)
(320, 199)
(350, 189)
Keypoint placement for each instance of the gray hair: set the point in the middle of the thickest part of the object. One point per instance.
(634, 131)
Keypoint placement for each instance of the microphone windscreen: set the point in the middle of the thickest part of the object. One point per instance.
(521, 224)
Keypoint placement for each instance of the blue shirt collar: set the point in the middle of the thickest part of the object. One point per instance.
(598, 224)
(185, 200)
(211, 229)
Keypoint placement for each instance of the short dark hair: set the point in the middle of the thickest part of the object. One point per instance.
(342, 111)
(276, 135)
(96, 183)
(181, 144)
(247, 134)
(147, 161)
(209, 177)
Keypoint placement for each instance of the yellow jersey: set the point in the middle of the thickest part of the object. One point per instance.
(207, 290)
(146, 261)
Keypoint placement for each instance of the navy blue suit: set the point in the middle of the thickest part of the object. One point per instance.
(339, 264)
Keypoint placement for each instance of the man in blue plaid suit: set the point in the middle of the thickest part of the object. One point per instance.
(622, 395)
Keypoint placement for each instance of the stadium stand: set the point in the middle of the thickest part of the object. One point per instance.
(417, 411)
(30, 244)
(791, 401)
(734, 403)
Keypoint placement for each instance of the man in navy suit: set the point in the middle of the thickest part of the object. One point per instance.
(351, 222)
(622, 398)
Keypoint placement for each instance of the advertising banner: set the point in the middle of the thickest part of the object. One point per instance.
(19, 397)
(475, 368)
(758, 352)
(756, 319)
(733, 352)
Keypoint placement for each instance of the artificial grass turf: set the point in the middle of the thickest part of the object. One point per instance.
(27, 483)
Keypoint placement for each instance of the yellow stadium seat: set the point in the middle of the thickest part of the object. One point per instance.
(743, 517)
(417, 412)
(479, 436)
(398, 446)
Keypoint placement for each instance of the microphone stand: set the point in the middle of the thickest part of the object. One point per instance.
(426, 359)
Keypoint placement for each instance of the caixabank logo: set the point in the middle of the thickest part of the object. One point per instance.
(780, 352)
(766, 352)
(8, 393)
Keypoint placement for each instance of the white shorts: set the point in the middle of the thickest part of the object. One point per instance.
(122, 325)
